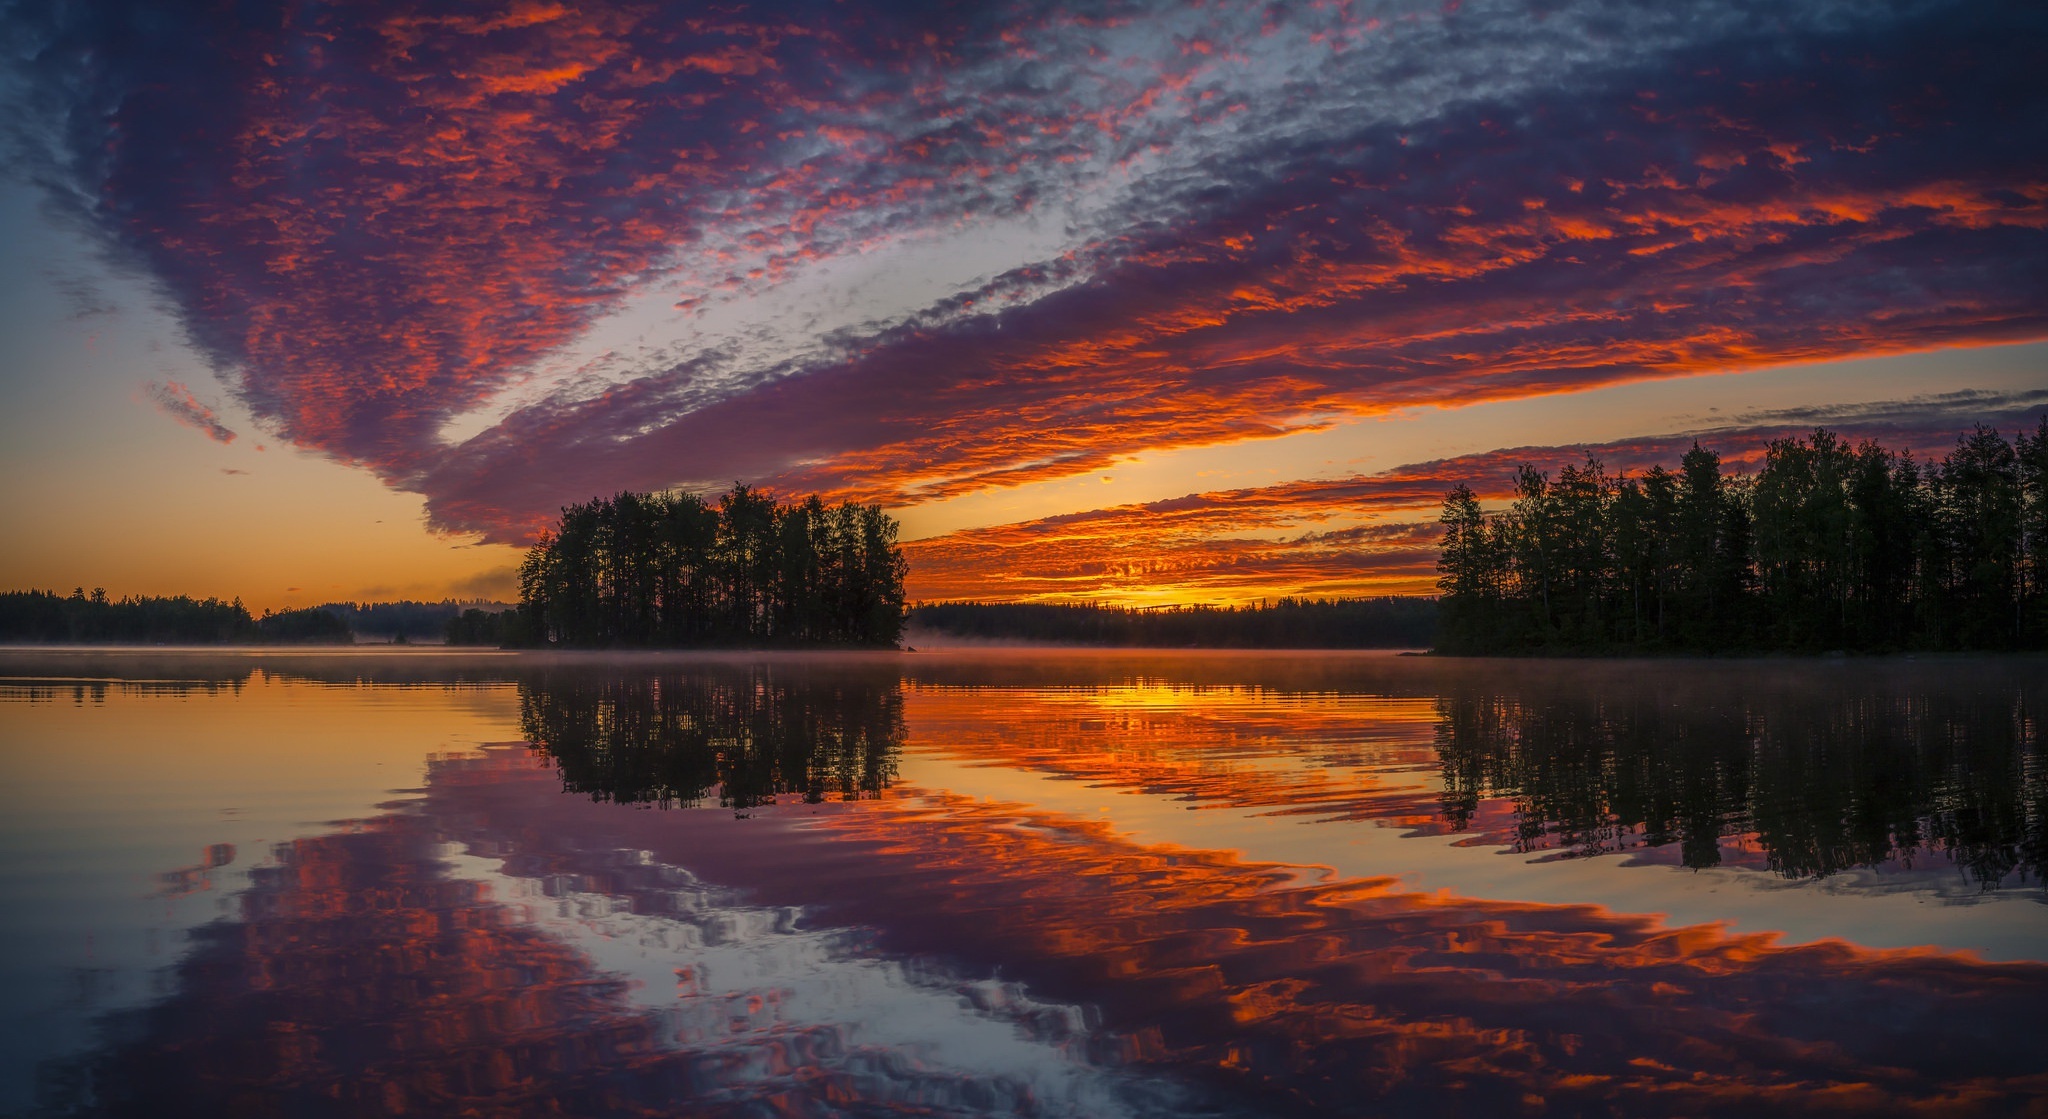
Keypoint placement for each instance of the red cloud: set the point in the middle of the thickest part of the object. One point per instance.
(379, 217)
(1269, 541)
(1439, 277)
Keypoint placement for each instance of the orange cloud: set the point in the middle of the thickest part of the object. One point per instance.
(378, 220)
(1367, 534)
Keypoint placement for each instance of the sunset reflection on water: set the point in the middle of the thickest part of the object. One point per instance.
(1023, 884)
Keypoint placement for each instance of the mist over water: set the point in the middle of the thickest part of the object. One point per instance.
(1017, 882)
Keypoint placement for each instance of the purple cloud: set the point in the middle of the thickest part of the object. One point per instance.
(176, 401)
(626, 247)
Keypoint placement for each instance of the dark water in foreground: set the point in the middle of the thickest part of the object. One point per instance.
(1089, 884)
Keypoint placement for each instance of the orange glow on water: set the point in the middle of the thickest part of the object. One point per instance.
(1236, 969)
(1322, 993)
(460, 947)
(1327, 756)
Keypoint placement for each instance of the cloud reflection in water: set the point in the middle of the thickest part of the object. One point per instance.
(862, 945)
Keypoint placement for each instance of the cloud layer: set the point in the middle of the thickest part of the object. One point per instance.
(1367, 534)
(912, 251)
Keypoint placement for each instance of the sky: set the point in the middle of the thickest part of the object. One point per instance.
(1127, 301)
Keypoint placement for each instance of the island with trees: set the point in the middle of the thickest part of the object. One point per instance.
(638, 570)
(1829, 546)
(671, 570)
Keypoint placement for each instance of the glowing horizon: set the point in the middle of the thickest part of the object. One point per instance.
(1141, 304)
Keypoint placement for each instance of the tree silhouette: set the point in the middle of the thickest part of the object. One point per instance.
(670, 570)
(1283, 623)
(1829, 546)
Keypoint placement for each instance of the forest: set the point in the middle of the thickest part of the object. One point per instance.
(1829, 546)
(1287, 623)
(45, 617)
(477, 626)
(672, 570)
(407, 621)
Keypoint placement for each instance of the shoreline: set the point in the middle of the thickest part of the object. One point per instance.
(935, 650)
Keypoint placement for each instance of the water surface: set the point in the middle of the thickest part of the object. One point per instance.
(1070, 883)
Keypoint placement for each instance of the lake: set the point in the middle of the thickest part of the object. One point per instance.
(1001, 882)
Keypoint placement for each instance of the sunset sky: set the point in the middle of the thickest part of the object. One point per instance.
(1144, 302)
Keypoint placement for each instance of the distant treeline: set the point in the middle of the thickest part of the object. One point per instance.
(1829, 546)
(406, 619)
(671, 570)
(1296, 623)
(477, 626)
(45, 617)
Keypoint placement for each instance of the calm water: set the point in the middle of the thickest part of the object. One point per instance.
(1089, 884)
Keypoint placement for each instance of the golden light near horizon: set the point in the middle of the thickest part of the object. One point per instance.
(999, 327)
(1126, 559)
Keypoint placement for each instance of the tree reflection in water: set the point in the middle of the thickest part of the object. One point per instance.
(362, 975)
(752, 733)
(458, 954)
(1862, 776)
